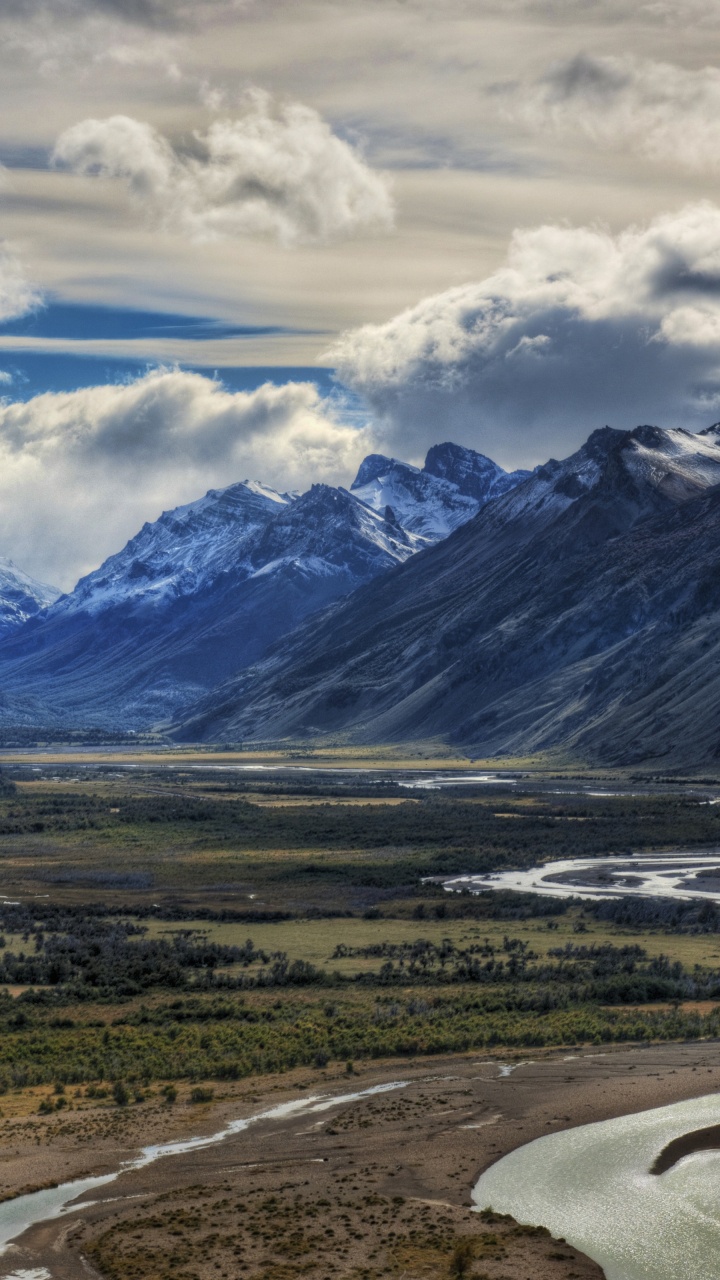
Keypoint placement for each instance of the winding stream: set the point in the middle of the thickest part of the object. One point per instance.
(592, 1186)
(41, 1206)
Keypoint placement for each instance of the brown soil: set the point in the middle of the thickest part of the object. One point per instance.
(370, 1189)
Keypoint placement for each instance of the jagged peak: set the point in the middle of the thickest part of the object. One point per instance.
(377, 465)
(473, 474)
(441, 458)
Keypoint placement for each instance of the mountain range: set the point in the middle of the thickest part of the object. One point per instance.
(202, 592)
(574, 608)
(579, 610)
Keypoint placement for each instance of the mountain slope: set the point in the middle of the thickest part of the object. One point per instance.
(21, 597)
(579, 609)
(179, 553)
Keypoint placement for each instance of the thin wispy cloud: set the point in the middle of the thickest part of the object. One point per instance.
(173, 14)
(276, 170)
(662, 111)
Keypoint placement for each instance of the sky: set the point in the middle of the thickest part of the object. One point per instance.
(263, 238)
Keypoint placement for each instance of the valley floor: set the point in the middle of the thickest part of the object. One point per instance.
(376, 1187)
(182, 947)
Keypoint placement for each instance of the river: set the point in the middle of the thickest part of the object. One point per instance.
(592, 1186)
(682, 875)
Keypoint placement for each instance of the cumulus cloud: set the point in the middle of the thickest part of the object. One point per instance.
(579, 328)
(81, 471)
(660, 110)
(277, 170)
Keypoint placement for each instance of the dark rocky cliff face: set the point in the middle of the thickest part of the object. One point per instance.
(475, 475)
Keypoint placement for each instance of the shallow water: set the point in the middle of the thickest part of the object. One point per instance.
(664, 875)
(41, 1206)
(591, 1185)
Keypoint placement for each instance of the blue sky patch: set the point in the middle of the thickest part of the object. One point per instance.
(80, 321)
(33, 372)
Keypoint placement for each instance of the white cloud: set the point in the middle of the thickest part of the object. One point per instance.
(81, 471)
(660, 110)
(579, 328)
(276, 171)
(17, 295)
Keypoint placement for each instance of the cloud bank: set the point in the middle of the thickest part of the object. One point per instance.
(662, 111)
(275, 171)
(579, 328)
(81, 471)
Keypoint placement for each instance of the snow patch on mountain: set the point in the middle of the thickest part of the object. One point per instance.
(675, 462)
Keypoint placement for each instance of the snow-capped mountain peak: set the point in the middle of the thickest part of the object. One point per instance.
(21, 597)
(450, 489)
(631, 474)
(376, 465)
(331, 526)
(175, 554)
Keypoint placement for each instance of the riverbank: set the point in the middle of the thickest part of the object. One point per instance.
(374, 1187)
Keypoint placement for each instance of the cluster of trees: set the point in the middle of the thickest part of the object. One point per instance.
(669, 914)
(200, 1040)
(101, 959)
(572, 974)
(49, 917)
(446, 833)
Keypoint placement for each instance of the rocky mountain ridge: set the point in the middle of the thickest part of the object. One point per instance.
(201, 592)
(580, 610)
(431, 502)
